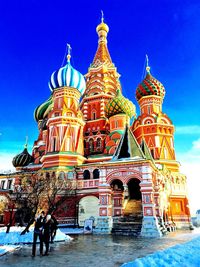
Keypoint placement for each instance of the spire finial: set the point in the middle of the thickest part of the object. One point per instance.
(68, 52)
(102, 16)
(147, 67)
(26, 142)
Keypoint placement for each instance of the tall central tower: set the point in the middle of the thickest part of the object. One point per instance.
(102, 82)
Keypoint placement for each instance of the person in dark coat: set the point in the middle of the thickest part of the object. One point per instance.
(39, 225)
(46, 233)
(54, 227)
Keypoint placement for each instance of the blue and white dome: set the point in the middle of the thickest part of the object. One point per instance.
(67, 76)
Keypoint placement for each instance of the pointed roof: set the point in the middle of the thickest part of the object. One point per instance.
(128, 147)
(146, 150)
(102, 54)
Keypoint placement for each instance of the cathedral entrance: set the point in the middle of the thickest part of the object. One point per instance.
(134, 202)
(130, 222)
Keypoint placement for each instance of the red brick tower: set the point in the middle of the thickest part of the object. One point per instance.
(102, 82)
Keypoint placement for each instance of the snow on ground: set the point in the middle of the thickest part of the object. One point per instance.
(8, 248)
(13, 237)
(71, 231)
(186, 255)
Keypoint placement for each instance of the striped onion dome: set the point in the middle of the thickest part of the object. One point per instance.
(67, 76)
(22, 159)
(120, 104)
(150, 86)
(42, 110)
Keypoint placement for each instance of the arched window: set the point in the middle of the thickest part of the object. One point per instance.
(94, 114)
(148, 109)
(70, 175)
(98, 144)
(96, 173)
(47, 176)
(61, 175)
(86, 175)
(91, 145)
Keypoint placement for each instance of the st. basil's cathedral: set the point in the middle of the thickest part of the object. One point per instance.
(123, 166)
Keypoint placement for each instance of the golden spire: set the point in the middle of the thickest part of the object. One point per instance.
(69, 52)
(102, 16)
(147, 67)
(102, 29)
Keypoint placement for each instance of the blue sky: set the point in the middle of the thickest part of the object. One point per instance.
(34, 35)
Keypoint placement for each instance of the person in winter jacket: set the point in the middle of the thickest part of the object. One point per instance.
(46, 233)
(39, 225)
(54, 227)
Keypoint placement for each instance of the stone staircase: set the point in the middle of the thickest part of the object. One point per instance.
(133, 207)
(131, 222)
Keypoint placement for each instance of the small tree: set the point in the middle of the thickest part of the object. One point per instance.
(42, 191)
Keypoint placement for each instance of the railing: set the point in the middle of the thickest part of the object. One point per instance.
(87, 184)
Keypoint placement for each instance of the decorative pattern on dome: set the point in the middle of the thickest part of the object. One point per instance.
(120, 104)
(42, 110)
(150, 86)
(22, 159)
(67, 76)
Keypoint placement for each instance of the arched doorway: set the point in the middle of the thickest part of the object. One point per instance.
(133, 206)
(134, 189)
(88, 207)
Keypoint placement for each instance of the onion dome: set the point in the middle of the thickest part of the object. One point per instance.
(42, 110)
(102, 29)
(22, 159)
(67, 76)
(120, 104)
(150, 86)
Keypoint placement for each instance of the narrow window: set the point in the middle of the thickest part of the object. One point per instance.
(86, 175)
(54, 144)
(98, 143)
(96, 174)
(91, 145)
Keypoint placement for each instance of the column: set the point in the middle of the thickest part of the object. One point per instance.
(150, 226)
(104, 221)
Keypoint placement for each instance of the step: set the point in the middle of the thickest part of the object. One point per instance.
(129, 232)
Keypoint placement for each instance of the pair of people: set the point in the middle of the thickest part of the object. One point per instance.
(43, 230)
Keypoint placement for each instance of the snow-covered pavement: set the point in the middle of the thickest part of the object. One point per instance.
(184, 255)
(12, 240)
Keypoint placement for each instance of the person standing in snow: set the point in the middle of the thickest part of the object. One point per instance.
(39, 225)
(46, 233)
(54, 227)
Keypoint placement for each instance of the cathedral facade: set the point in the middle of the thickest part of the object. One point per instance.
(123, 166)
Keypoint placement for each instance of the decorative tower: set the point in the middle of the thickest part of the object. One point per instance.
(64, 139)
(102, 82)
(23, 159)
(153, 125)
(119, 110)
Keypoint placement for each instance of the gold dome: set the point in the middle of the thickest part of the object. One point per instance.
(102, 27)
